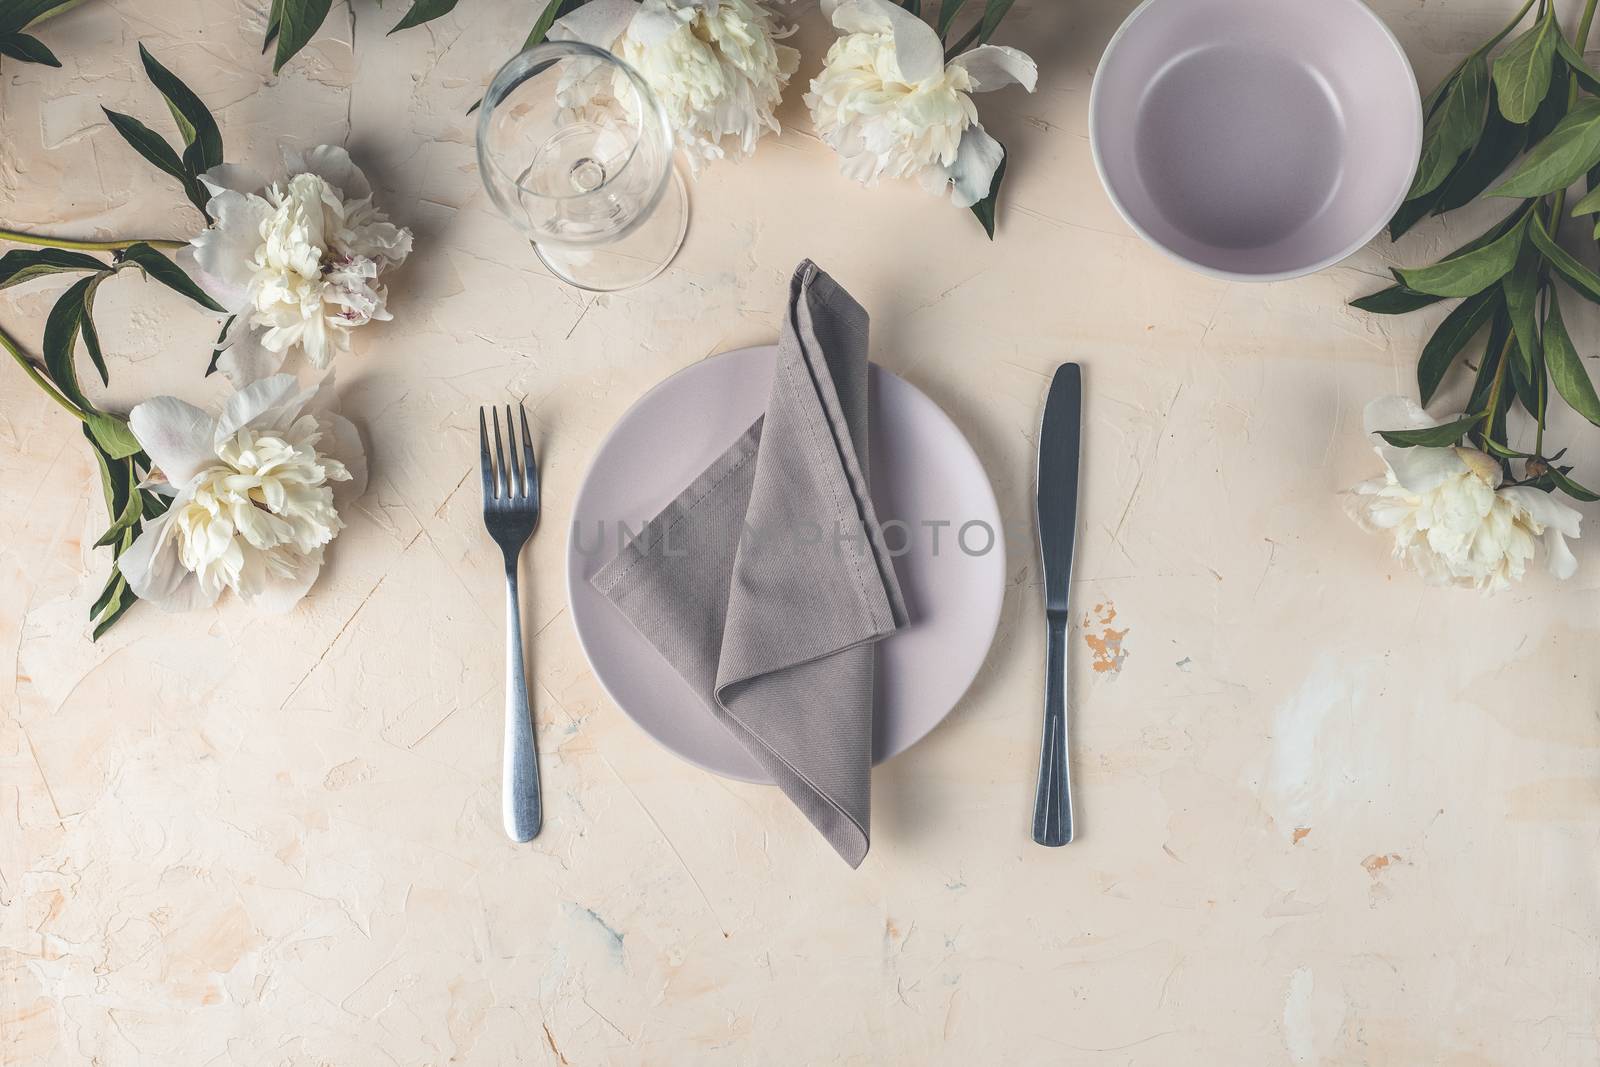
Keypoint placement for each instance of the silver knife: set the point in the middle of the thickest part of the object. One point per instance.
(1057, 495)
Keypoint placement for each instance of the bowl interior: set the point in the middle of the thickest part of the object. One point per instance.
(1256, 138)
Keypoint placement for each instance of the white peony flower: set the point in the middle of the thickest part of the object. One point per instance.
(296, 263)
(890, 105)
(253, 501)
(713, 64)
(1451, 519)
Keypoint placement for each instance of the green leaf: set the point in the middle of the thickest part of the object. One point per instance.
(947, 15)
(131, 511)
(216, 353)
(1522, 296)
(1493, 351)
(25, 264)
(1566, 368)
(1465, 273)
(985, 208)
(1432, 436)
(1528, 383)
(149, 144)
(1570, 487)
(1500, 144)
(1588, 205)
(112, 592)
(155, 505)
(91, 336)
(1458, 327)
(168, 273)
(993, 12)
(1395, 300)
(274, 17)
(1581, 278)
(1495, 448)
(552, 11)
(423, 11)
(1453, 128)
(1415, 210)
(27, 48)
(20, 14)
(541, 27)
(298, 22)
(60, 337)
(123, 602)
(112, 481)
(1522, 72)
(201, 137)
(1560, 158)
(1578, 65)
(111, 433)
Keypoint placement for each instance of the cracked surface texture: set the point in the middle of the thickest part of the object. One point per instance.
(1328, 815)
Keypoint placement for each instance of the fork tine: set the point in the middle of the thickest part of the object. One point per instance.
(499, 458)
(530, 463)
(484, 465)
(514, 472)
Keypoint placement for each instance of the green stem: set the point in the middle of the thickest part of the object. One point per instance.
(18, 237)
(967, 38)
(1494, 390)
(38, 379)
(1497, 38)
(1428, 101)
(1583, 27)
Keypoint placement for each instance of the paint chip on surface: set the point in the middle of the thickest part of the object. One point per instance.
(1105, 646)
(1300, 834)
(1376, 863)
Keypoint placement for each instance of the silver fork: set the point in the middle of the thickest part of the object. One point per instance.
(511, 513)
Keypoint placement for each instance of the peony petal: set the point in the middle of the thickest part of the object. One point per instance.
(222, 251)
(1397, 413)
(332, 164)
(1559, 522)
(655, 22)
(178, 437)
(276, 593)
(1420, 470)
(599, 22)
(153, 572)
(247, 360)
(993, 66)
(917, 49)
(271, 402)
(228, 296)
(972, 173)
(232, 176)
(342, 441)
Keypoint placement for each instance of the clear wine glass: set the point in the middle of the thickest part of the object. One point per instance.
(576, 151)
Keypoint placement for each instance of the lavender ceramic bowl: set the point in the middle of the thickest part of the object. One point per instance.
(1255, 139)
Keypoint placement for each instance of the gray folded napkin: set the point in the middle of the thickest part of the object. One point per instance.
(766, 582)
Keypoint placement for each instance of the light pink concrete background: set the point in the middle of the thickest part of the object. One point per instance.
(1329, 815)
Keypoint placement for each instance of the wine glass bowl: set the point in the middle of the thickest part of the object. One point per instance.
(576, 152)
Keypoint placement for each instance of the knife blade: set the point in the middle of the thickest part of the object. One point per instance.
(1060, 437)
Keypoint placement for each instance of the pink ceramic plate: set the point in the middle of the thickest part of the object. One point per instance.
(1255, 139)
(923, 471)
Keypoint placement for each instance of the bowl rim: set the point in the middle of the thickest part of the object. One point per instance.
(1250, 276)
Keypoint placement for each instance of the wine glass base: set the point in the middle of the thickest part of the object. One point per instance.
(635, 259)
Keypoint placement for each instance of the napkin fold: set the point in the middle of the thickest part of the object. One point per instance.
(766, 582)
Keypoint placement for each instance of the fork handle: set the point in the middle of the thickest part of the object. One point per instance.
(520, 787)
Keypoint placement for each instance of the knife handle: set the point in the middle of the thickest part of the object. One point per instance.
(1052, 808)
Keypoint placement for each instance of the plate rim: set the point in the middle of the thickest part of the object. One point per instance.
(572, 578)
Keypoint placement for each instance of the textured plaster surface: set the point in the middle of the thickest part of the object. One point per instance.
(1328, 815)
